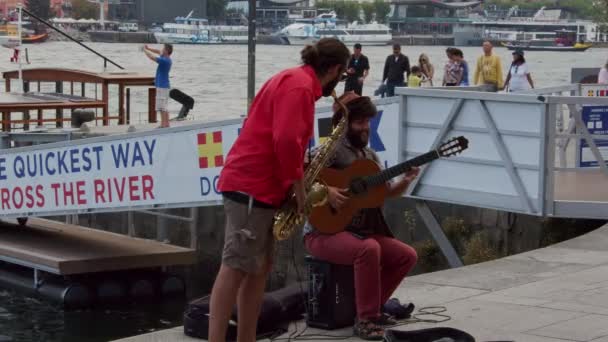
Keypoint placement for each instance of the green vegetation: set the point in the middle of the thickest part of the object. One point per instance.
(82, 9)
(473, 247)
(478, 249)
(600, 12)
(368, 11)
(216, 9)
(41, 8)
(383, 8)
(430, 258)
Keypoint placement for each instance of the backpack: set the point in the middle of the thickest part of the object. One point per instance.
(279, 308)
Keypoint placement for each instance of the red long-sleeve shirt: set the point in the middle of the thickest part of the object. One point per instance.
(267, 157)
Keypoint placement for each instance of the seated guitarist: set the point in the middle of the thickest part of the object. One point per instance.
(380, 261)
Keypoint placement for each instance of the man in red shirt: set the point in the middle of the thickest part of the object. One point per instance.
(264, 163)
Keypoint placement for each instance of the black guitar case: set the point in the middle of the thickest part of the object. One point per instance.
(428, 335)
(279, 308)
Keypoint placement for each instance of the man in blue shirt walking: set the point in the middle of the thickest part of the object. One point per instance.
(163, 59)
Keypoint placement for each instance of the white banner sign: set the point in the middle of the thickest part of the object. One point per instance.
(166, 169)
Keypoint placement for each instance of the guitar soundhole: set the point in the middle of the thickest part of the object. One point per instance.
(358, 186)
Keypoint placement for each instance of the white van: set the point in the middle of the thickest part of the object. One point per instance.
(128, 27)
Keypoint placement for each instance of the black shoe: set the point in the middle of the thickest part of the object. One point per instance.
(400, 311)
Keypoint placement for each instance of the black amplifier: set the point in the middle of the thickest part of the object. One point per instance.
(331, 295)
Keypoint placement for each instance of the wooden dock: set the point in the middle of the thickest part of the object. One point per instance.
(66, 249)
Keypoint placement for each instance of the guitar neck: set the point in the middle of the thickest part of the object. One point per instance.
(394, 171)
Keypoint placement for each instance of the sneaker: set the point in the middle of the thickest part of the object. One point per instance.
(400, 311)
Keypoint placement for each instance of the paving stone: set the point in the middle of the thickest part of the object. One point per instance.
(424, 294)
(584, 328)
(565, 255)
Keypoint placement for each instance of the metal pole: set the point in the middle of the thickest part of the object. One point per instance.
(102, 21)
(69, 37)
(19, 33)
(251, 53)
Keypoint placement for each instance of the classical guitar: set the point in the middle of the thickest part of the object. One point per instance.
(366, 185)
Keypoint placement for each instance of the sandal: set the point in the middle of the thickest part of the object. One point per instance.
(368, 330)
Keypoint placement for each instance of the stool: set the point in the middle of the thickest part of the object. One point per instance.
(331, 295)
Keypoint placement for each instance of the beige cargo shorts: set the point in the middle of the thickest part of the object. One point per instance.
(248, 241)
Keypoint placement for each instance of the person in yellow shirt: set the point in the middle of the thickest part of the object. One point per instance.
(415, 77)
(488, 72)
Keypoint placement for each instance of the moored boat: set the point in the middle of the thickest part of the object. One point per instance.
(565, 41)
(309, 31)
(189, 30)
(579, 47)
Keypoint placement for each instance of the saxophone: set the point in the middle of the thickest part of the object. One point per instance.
(287, 219)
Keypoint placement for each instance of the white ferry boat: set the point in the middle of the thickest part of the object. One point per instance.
(309, 31)
(543, 26)
(189, 30)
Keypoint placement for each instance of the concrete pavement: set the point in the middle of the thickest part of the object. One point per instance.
(558, 293)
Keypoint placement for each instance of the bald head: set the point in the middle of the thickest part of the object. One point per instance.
(487, 48)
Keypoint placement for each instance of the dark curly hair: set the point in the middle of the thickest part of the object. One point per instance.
(326, 53)
(358, 108)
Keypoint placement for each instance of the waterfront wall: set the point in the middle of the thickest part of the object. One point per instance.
(122, 37)
(148, 38)
(424, 40)
(503, 234)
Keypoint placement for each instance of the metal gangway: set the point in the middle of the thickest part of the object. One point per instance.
(526, 155)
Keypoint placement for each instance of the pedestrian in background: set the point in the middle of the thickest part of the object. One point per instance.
(452, 74)
(396, 69)
(415, 78)
(488, 71)
(602, 77)
(518, 78)
(458, 57)
(427, 68)
(161, 81)
(357, 71)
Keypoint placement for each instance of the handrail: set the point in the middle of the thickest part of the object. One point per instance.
(105, 59)
(551, 90)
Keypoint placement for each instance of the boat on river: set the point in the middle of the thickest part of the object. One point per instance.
(535, 46)
(190, 30)
(565, 41)
(309, 31)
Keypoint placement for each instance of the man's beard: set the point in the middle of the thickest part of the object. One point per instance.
(357, 139)
(329, 88)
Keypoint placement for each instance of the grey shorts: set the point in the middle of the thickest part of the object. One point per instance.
(248, 241)
(162, 99)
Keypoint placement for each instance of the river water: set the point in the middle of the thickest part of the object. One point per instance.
(216, 77)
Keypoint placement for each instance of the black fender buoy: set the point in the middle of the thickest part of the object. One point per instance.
(172, 285)
(142, 288)
(110, 291)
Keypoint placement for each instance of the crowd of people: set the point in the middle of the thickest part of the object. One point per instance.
(398, 72)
